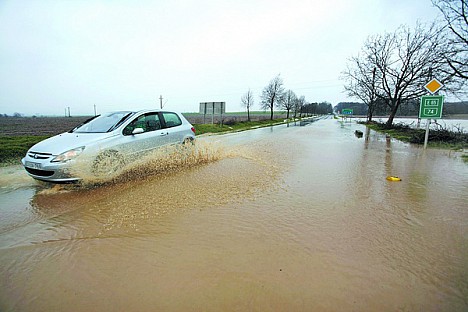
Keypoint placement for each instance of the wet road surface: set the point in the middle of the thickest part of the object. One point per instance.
(282, 219)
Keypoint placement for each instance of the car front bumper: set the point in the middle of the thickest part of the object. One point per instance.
(44, 170)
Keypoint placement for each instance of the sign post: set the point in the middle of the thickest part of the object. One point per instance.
(431, 106)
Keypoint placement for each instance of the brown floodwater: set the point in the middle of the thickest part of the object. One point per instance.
(283, 219)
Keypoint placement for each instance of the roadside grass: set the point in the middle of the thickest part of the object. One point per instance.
(13, 148)
(438, 138)
(252, 113)
(235, 127)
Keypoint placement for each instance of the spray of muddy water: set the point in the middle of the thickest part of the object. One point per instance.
(168, 181)
(14, 178)
(164, 160)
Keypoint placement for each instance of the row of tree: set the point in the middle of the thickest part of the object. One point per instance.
(392, 68)
(274, 96)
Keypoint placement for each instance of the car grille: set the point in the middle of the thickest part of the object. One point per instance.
(39, 155)
(41, 173)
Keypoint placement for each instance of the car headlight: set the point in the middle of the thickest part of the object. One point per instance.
(68, 155)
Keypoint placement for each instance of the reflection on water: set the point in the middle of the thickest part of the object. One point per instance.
(298, 218)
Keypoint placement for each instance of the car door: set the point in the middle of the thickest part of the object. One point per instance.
(173, 126)
(148, 136)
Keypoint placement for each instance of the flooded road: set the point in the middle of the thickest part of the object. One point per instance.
(282, 219)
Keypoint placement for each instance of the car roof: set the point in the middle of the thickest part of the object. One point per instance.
(142, 111)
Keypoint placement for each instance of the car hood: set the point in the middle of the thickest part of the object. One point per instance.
(67, 141)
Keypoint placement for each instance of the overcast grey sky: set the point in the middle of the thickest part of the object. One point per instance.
(120, 54)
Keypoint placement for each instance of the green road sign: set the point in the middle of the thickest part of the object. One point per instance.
(431, 107)
(347, 111)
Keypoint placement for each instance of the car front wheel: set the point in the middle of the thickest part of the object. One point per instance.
(188, 141)
(107, 163)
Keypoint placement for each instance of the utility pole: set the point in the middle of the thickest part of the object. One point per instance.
(69, 111)
(95, 110)
(160, 101)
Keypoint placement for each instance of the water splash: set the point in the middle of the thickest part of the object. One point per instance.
(167, 159)
(166, 182)
(14, 178)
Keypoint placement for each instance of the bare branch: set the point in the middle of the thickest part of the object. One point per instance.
(272, 94)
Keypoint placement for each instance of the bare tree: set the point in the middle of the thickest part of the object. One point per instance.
(455, 14)
(298, 104)
(247, 101)
(287, 102)
(272, 94)
(405, 61)
(361, 82)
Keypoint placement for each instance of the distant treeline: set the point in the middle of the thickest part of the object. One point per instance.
(14, 115)
(316, 108)
(409, 108)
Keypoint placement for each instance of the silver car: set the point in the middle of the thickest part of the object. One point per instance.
(105, 139)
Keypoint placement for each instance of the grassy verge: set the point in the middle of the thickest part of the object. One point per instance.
(252, 113)
(439, 138)
(238, 126)
(13, 148)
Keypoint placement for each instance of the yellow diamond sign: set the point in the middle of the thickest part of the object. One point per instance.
(433, 86)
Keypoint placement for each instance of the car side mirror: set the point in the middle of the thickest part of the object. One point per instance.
(138, 131)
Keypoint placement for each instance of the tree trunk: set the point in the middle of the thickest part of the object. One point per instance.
(272, 103)
(248, 114)
(370, 113)
(395, 106)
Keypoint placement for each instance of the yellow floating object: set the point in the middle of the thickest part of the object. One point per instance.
(391, 178)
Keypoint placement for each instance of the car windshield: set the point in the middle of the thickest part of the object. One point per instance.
(103, 123)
